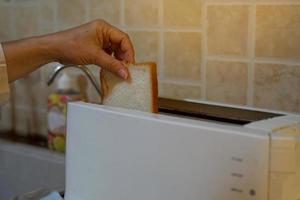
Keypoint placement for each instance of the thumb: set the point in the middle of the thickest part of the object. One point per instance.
(111, 64)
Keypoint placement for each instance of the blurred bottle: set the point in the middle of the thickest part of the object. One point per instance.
(67, 90)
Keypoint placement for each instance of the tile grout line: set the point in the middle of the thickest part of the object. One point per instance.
(122, 14)
(227, 58)
(39, 5)
(261, 2)
(183, 82)
(13, 20)
(130, 28)
(275, 2)
(161, 75)
(251, 43)
(255, 60)
(160, 14)
(276, 61)
(228, 2)
(204, 50)
(87, 10)
(55, 13)
(161, 41)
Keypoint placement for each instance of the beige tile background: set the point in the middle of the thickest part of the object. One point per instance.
(226, 82)
(244, 52)
(230, 22)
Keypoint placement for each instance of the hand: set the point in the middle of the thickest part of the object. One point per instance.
(94, 43)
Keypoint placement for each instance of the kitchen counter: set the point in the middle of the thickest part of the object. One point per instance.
(26, 167)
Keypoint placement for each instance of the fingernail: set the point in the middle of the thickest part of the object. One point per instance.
(123, 73)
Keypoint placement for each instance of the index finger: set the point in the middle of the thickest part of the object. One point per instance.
(117, 36)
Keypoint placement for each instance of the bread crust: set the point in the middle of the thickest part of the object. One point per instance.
(104, 84)
(153, 69)
(153, 77)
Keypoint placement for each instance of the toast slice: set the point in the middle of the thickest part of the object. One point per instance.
(139, 92)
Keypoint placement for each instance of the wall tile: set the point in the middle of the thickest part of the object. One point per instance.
(5, 23)
(226, 82)
(179, 13)
(278, 31)
(22, 122)
(26, 21)
(71, 12)
(146, 45)
(277, 36)
(227, 29)
(31, 91)
(109, 10)
(277, 87)
(46, 29)
(182, 55)
(177, 91)
(38, 123)
(47, 11)
(141, 13)
(31, 122)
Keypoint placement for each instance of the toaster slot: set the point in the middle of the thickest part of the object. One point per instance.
(212, 112)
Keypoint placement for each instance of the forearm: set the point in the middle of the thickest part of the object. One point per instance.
(25, 56)
(91, 43)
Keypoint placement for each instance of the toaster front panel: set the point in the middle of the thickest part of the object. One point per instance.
(115, 155)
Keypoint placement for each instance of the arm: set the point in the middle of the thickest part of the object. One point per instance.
(91, 43)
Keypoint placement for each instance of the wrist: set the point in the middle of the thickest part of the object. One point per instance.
(49, 48)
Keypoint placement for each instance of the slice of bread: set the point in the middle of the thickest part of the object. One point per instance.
(139, 92)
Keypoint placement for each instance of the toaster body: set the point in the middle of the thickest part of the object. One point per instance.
(120, 154)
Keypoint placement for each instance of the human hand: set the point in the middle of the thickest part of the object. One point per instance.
(97, 43)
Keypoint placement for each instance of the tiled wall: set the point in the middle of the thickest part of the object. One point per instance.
(244, 52)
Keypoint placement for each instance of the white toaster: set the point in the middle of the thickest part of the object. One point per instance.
(119, 154)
